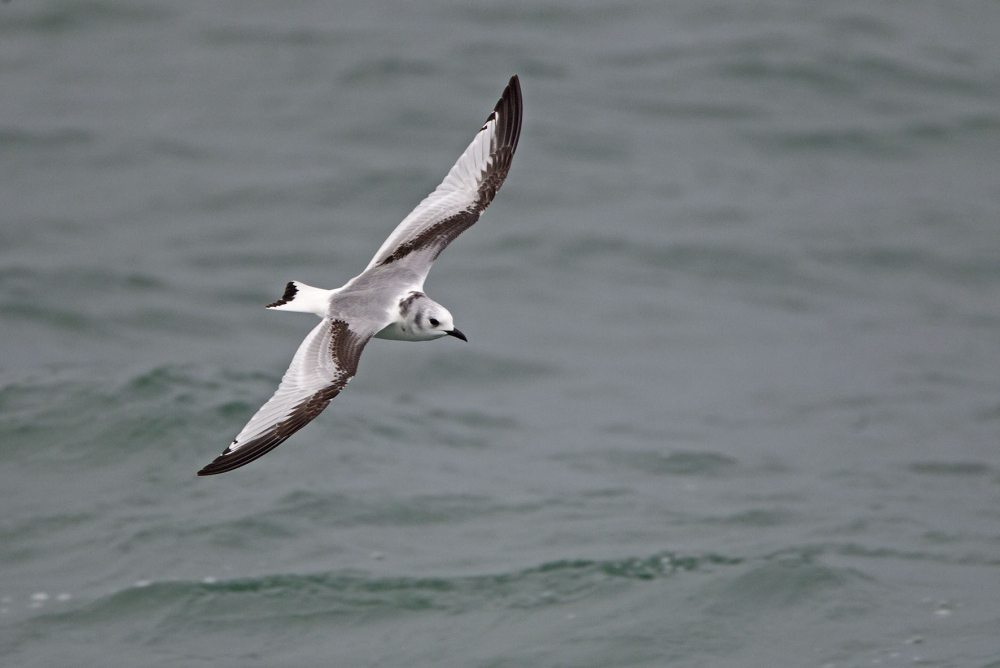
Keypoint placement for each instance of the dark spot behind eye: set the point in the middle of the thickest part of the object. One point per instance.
(434, 322)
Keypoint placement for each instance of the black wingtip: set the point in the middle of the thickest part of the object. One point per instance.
(223, 464)
(511, 93)
(509, 111)
(217, 466)
(290, 292)
(230, 460)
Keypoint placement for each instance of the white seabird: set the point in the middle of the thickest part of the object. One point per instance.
(386, 300)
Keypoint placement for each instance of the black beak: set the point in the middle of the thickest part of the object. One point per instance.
(457, 334)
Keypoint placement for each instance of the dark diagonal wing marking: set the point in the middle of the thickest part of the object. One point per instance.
(465, 192)
(323, 365)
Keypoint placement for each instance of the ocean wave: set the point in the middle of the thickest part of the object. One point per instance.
(726, 261)
(876, 138)
(337, 593)
(73, 415)
(973, 269)
(12, 138)
(61, 17)
(68, 299)
(656, 462)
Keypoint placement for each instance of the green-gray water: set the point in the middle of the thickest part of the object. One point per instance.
(732, 391)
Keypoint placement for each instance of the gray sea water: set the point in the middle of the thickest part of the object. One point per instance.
(732, 391)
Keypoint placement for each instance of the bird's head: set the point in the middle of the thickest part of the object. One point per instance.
(428, 320)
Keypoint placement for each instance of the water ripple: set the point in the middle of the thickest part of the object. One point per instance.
(232, 602)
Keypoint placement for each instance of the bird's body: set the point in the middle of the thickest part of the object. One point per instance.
(386, 300)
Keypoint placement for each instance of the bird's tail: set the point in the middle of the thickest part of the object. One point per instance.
(303, 298)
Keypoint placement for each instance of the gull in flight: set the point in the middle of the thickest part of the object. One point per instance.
(386, 300)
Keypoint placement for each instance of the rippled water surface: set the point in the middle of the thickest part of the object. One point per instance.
(732, 391)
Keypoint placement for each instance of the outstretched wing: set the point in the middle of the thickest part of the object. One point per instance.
(322, 366)
(465, 192)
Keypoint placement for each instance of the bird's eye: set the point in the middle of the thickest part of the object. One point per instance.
(434, 322)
